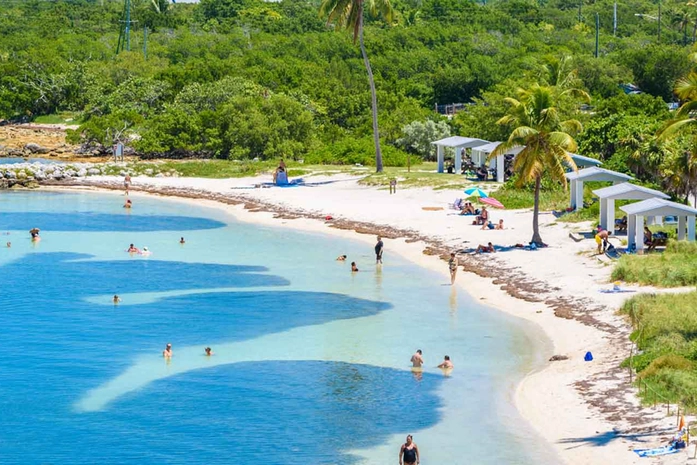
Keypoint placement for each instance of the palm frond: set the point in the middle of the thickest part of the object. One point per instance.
(672, 127)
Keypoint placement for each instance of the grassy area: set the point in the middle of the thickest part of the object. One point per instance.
(522, 198)
(665, 330)
(676, 266)
(61, 118)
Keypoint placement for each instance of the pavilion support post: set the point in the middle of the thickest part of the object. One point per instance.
(458, 159)
(610, 213)
(500, 168)
(682, 226)
(441, 157)
(691, 228)
(572, 191)
(579, 195)
(639, 234)
(603, 214)
(631, 231)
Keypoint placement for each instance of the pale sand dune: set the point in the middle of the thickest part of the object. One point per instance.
(577, 406)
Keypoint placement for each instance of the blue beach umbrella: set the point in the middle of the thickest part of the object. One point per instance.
(475, 192)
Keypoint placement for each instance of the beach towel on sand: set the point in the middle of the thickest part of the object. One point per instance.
(665, 450)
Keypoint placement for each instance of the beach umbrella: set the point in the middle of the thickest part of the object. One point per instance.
(491, 201)
(475, 192)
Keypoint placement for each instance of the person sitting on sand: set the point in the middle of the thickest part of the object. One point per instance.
(354, 268)
(341, 258)
(167, 353)
(467, 209)
(208, 351)
(116, 299)
(133, 249)
(489, 248)
(499, 226)
(483, 217)
(128, 204)
(447, 364)
(182, 241)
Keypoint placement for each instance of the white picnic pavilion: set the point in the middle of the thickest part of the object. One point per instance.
(657, 207)
(482, 152)
(593, 173)
(457, 143)
(623, 191)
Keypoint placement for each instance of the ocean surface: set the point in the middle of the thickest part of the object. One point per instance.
(310, 364)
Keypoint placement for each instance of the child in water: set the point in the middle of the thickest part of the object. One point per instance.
(354, 268)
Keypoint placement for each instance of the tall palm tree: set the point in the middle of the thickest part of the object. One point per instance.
(349, 14)
(547, 141)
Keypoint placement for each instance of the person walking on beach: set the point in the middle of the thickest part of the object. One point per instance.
(167, 353)
(409, 452)
(417, 360)
(378, 250)
(127, 182)
(452, 264)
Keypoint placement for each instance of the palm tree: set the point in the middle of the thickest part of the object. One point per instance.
(349, 14)
(547, 141)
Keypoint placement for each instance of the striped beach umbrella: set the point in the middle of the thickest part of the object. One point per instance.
(475, 192)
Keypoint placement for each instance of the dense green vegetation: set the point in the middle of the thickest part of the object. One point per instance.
(245, 79)
(676, 266)
(664, 331)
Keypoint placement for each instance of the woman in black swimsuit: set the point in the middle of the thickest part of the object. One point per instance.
(409, 452)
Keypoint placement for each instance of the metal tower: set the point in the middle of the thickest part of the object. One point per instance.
(125, 29)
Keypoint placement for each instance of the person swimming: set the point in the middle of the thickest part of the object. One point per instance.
(128, 204)
(145, 251)
(341, 258)
(354, 268)
(182, 241)
(117, 299)
(208, 351)
(167, 353)
(447, 364)
(9, 244)
(133, 249)
(35, 234)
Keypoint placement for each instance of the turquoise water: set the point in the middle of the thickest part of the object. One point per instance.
(311, 363)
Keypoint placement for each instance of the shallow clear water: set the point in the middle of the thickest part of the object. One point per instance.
(311, 363)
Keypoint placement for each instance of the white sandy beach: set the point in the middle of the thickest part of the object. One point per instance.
(586, 410)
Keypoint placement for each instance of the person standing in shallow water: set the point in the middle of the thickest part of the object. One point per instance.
(417, 360)
(452, 264)
(378, 250)
(409, 452)
(167, 353)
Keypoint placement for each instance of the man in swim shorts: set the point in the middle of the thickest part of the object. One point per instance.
(417, 360)
(378, 250)
(409, 452)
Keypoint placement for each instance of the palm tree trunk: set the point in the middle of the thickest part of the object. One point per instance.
(535, 214)
(373, 97)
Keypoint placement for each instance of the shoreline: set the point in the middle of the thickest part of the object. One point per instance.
(559, 407)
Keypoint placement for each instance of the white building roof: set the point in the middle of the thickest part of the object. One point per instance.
(594, 173)
(581, 160)
(658, 207)
(460, 142)
(491, 146)
(627, 191)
